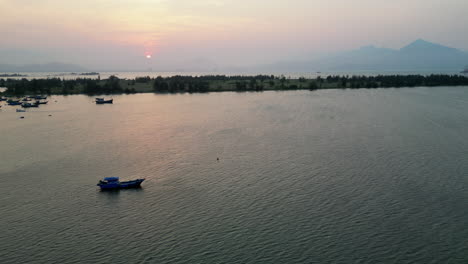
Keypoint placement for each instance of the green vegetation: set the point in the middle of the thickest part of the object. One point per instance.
(218, 83)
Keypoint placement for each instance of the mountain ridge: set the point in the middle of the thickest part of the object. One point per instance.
(419, 55)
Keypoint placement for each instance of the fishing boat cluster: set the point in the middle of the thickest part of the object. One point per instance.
(37, 100)
(26, 102)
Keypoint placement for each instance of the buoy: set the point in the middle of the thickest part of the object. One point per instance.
(22, 117)
(50, 115)
(217, 159)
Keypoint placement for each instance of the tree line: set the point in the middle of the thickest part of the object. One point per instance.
(394, 81)
(61, 86)
(207, 83)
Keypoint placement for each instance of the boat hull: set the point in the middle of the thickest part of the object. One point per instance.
(121, 185)
(111, 101)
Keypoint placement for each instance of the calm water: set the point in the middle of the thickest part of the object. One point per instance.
(337, 176)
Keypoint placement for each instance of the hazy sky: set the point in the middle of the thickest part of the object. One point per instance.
(118, 34)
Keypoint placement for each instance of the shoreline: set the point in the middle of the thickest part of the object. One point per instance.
(220, 83)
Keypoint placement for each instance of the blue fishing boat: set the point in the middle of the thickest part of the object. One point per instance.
(13, 102)
(113, 183)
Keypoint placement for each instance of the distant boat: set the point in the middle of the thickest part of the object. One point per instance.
(113, 183)
(26, 99)
(3, 99)
(39, 97)
(13, 102)
(28, 105)
(20, 110)
(42, 102)
(102, 101)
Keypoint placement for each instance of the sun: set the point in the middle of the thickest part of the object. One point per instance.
(148, 56)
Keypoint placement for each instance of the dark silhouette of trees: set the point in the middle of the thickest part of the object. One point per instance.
(91, 87)
(145, 79)
(112, 85)
(160, 85)
(207, 83)
(313, 86)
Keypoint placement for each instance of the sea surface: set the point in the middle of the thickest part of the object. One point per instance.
(330, 176)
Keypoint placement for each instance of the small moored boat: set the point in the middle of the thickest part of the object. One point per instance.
(20, 110)
(13, 102)
(102, 101)
(113, 183)
(28, 105)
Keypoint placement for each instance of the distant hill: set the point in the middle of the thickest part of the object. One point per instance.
(420, 55)
(48, 67)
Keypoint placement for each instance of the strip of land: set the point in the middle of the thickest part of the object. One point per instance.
(219, 83)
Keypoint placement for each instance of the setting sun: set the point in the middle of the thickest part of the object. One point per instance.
(148, 56)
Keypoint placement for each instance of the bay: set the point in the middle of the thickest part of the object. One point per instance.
(330, 176)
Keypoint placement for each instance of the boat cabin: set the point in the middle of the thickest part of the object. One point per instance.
(111, 179)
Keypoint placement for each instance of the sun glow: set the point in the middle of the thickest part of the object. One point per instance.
(148, 56)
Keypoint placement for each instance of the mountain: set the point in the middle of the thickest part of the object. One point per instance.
(48, 67)
(422, 46)
(419, 55)
(426, 55)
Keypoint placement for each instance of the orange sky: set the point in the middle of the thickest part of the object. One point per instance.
(228, 32)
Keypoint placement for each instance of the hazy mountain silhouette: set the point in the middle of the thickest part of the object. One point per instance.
(48, 67)
(420, 55)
